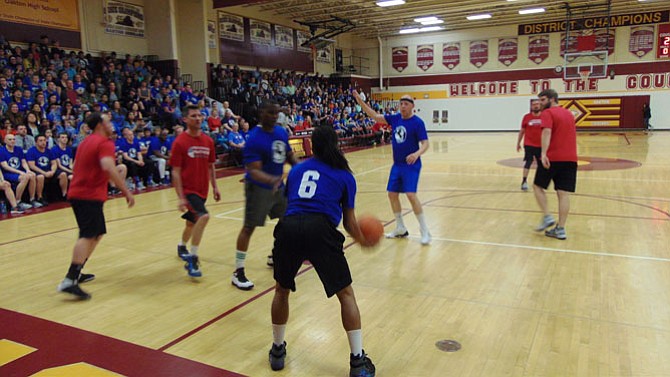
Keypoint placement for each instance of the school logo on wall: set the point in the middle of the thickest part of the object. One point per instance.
(538, 48)
(641, 40)
(479, 53)
(124, 19)
(451, 54)
(508, 50)
(399, 58)
(424, 56)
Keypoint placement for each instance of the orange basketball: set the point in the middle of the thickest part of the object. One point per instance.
(371, 227)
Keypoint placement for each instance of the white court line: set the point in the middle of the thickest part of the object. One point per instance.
(516, 175)
(223, 215)
(657, 259)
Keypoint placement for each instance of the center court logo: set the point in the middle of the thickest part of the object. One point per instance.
(400, 134)
(278, 152)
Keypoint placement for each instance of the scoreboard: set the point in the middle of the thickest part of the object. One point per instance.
(663, 48)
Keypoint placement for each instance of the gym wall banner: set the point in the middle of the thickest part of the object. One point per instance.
(57, 14)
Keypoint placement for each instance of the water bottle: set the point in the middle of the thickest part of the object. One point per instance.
(3, 207)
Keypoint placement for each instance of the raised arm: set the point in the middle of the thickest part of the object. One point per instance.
(368, 110)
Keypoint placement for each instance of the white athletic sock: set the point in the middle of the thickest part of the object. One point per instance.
(422, 221)
(194, 250)
(240, 256)
(181, 243)
(355, 341)
(398, 220)
(278, 332)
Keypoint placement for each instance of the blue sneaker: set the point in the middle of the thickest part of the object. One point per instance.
(182, 252)
(277, 356)
(361, 366)
(192, 266)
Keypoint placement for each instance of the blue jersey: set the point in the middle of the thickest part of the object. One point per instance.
(270, 148)
(315, 187)
(42, 159)
(407, 133)
(13, 159)
(163, 147)
(236, 138)
(64, 155)
(132, 148)
(145, 142)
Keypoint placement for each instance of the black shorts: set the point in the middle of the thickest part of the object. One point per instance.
(261, 203)
(90, 217)
(563, 173)
(310, 237)
(196, 208)
(532, 153)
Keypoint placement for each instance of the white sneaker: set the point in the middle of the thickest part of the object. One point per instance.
(547, 221)
(426, 237)
(240, 280)
(398, 233)
(524, 186)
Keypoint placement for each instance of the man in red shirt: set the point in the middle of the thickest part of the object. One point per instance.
(88, 192)
(192, 161)
(559, 162)
(531, 133)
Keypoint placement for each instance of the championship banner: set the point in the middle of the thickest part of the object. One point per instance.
(324, 55)
(641, 40)
(399, 58)
(283, 37)
(424, 56)
(479, 53)
(508, 50)
(211, 34)
(594, 112)
(601, 40)
(124, 19)
(634, 19)
(260, 32)
(451, 54)
(58, 14)
(538, 48)
(231, 27)
(303, 36)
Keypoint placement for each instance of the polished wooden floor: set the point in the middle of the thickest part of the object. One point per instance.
(521, 304)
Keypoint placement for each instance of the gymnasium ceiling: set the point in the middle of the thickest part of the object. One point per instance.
(372, 21)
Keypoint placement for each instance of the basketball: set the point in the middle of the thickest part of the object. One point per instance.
(371, 227)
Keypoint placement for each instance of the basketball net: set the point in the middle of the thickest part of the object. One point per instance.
(585, 74)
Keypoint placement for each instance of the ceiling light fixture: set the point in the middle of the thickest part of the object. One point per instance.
(478, 17)
(434, 22)
(420, 29)
(390, 3)
(531, 11)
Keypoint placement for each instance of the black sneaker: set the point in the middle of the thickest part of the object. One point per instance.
(17, 211)
(361, 366)
(84, 278)
(277, 356)
(182, 252)
(74, 290)
(43, 202)
(240, 280)
(270, 262)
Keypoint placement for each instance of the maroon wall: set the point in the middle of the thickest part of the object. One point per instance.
(23, 33)
(631, 111)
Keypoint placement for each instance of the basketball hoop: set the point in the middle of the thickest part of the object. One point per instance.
(584, 74)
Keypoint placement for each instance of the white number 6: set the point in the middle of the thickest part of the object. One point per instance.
(308, 184)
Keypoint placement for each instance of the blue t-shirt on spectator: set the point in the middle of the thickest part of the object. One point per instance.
(42, 159)
(13, 159)
(236, 137)
(315, 187)
(64, 155)
(163, 147)
(407, 133)
(271, 148)
(132, 148)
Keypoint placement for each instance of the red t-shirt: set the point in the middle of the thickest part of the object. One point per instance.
(532, 124)
(193, 155)
(89, 181)
(214, 123)
(563, 145)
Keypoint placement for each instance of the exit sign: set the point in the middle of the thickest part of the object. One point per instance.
(663, 49)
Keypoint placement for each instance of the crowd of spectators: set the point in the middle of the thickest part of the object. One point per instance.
(47, 92)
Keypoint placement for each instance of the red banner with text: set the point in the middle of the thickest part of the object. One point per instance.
(424, 56)
(400, 58)
(451, 54)
(479, 53)
(508, 50)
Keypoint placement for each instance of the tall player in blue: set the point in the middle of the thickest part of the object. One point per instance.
(265, 154)
(409, 142)
(321, 191)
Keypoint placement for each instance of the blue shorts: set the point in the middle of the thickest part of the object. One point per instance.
(11, 177)
(404, 178)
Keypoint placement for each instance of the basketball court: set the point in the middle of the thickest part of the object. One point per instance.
(519, 303)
